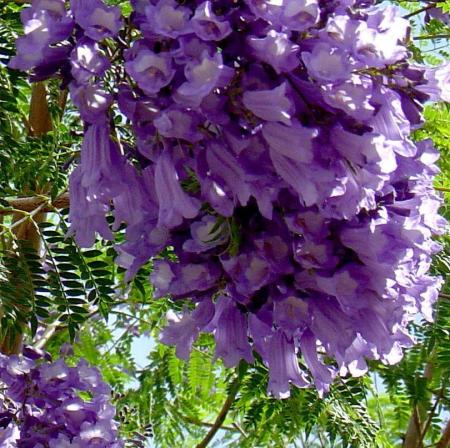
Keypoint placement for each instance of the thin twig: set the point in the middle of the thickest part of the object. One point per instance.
(444, 442)
(48, 333)
(425, 8)
(222, 414)
(430, 417)
(435, 36)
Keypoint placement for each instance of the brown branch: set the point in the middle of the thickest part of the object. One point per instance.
(197, 422)
(222, 414)
(415, 431)
(444, 442)
(431, 414)
(31, 203)
(418, 11)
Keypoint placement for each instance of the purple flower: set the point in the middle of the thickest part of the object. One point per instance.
(377, 41)
(277, 50)
(167, 18)
(283, 365)
(352, 96)
(180, 124)
(174, 203)
(295, 141)
(151, 71)
(206, 234)
(201, 78)
(182, 332)
(182, 279)
(230, 333)
(45, 23)
(97, 20)
(87, 216)
(270, 105)
(273, 156)
(87, 61)
(322, 374)
(94, 184)
(207, 26)
(299, 15)
(326, 63)
(437, 85)
(92, 101)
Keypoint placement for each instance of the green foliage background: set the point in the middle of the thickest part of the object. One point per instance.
(64, 294)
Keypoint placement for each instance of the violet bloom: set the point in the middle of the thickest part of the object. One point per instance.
(167, 18)
(183, 331)
(299, 15)
(182, 279)
(270, 105)
(201, 78)
(268, 10)
(92, 102)
(207, 26)
(97, 20)
(174, 203)
(438, 83)
(87, 216)
(87, 61)
(206, 234)
(94, 184)
(45, 23)
(295, 142)
(283, 365)
(9, 436)
(352, 96)
(277, 50)
(151, 71)
(249, 272)
(230, 333)
(323, 375)
(327, 63)
(101, 160)
(227, 175)
(180, 124)
(378, 41)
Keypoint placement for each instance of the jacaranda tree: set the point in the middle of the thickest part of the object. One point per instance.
(247, 191)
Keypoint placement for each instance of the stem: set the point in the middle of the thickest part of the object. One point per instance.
(197, 422)
(425, 8)
(430, 417)
(444, 442)
(48, 333)
(436, 36)
(222, 414)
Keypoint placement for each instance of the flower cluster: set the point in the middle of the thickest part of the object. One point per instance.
(273, 153)
(42, 404)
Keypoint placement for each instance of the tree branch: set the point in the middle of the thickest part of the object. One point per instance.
(418, 11)
(444, 442)
(222, 414)
(435, 36)
(31, 203)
